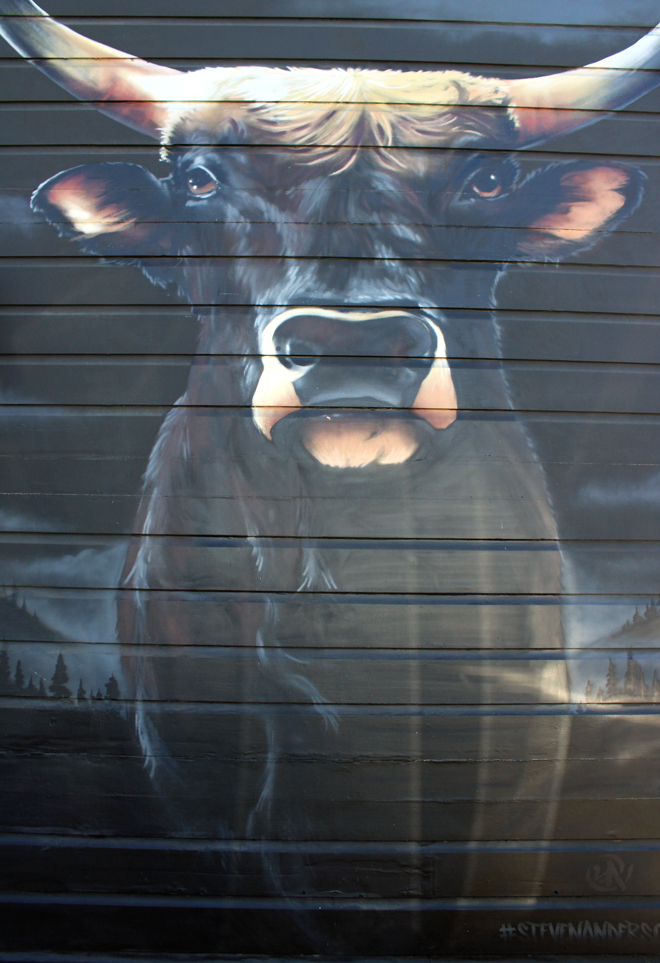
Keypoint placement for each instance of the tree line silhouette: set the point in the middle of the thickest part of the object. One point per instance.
(649, 615)
(58, 688)
(632, 688)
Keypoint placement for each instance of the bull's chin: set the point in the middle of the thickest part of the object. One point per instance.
(358, 442)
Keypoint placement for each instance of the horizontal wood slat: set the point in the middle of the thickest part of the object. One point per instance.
(21, 83)
(55, 728)
(389, 788)
(23, 168)
(379, 565)
(119, 810)
(614, 512)
(400, 682)
(385, 620)
(108, 433)
(526, 335)
(623, 250)
(455, 818)
(394, 871)
(85, 281)
(479, 241)
(142, 382)
(625, 134)
(350, 677)
(590, 12)
(238, 39)
(246, 923)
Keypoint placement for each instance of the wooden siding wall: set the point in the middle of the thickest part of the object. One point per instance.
(92, 358)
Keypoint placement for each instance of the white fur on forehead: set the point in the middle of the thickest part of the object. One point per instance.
(338, 84)
(287, 104)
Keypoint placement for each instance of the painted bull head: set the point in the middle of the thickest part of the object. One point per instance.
(272, 168)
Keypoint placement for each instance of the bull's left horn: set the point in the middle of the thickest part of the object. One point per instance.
(129, 90)
(543, 107)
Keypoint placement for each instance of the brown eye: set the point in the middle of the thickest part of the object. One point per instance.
(486, 183)
(201, 183)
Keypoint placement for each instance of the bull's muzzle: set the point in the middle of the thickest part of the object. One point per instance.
(354, 374)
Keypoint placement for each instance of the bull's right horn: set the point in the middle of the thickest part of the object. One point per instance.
(132, 91)
(544, 107)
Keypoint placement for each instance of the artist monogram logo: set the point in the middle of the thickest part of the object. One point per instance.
(609, 876)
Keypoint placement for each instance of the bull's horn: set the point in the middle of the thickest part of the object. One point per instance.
(546, 106)
(129, 90)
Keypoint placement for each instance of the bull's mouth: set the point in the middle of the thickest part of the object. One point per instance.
(358, 441)
(351, 439)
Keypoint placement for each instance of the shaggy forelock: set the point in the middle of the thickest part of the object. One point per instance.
(320, 109)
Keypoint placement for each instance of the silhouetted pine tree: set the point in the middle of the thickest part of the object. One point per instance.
(634, 686)
(19, 678)
(42, 690)
(612, 682)
(58, 685)
(81, 695)
(112, 689)
(588, 691)
(5, 671)
(31, 689)
(99, 695)
(600, 695)
(655, 687)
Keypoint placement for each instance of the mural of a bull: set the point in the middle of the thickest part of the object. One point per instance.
(334, 414)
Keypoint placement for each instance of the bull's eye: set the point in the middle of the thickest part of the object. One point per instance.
(201, 183)
(487, 183)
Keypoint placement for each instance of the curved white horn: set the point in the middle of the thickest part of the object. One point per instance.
(132, 91)
(543, 107)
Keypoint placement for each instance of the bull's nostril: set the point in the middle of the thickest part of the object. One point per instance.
(294, 353)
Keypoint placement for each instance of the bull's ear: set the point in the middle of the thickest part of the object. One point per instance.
(568, 207)
(114, 210)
